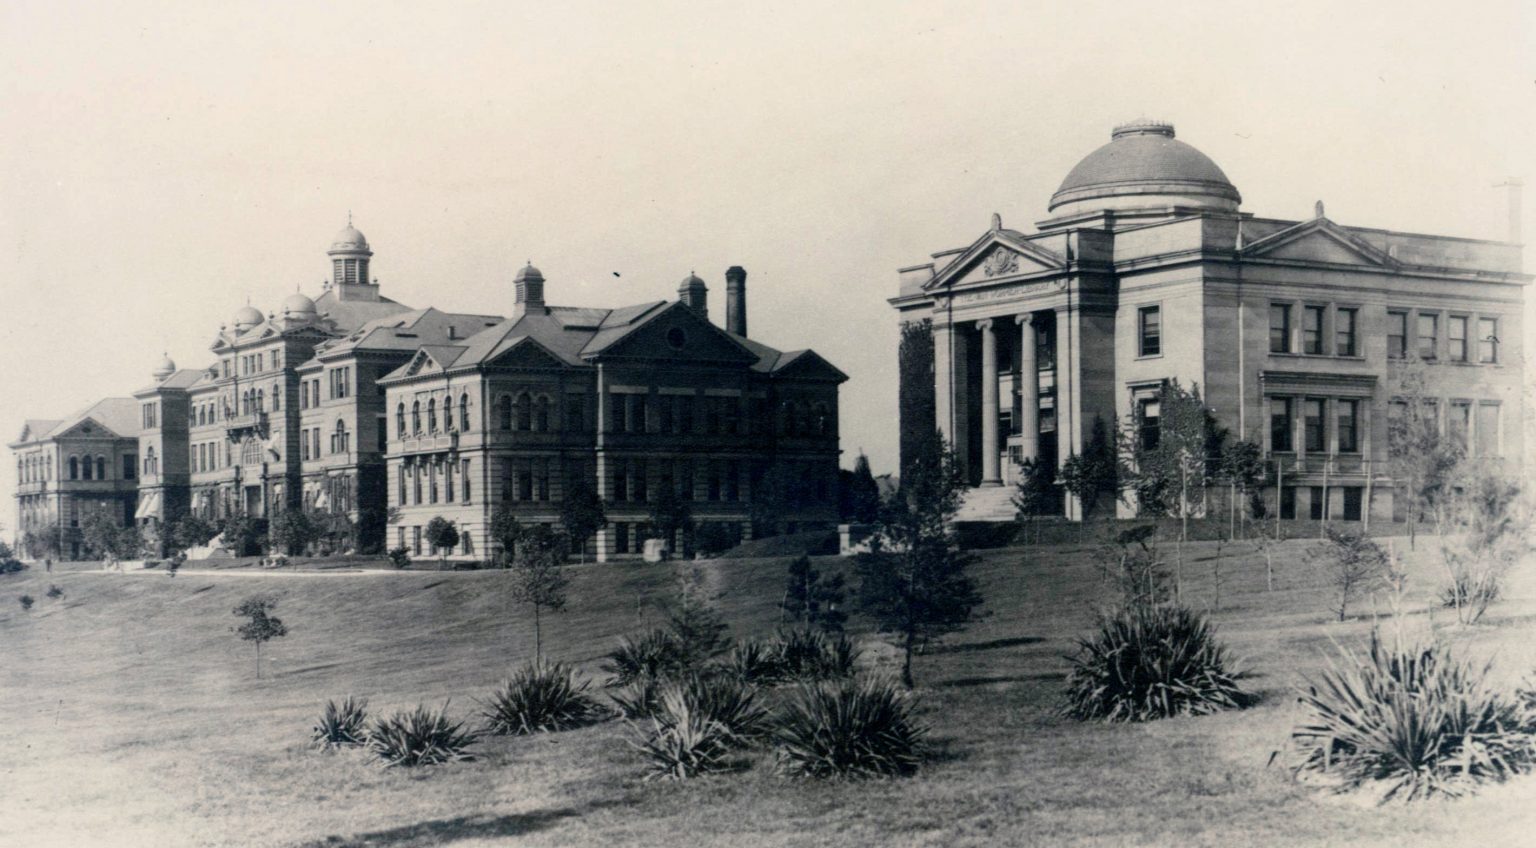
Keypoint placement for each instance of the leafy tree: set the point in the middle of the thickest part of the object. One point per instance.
(42, 543)
(1422, 461)
(670, 515)
(1131, 562)
(917, 403)
(243, 534)
(442, 535)
(191, 531)
(293, 530)
(1241, 465)
(260, 626)
(859, 494)
(813, 597)
(1483, 535)
(536, 576)
(582, 514)
(1035, 493)
(106, 538)
(1095, 473)
(773, 499)
(505, 531)
(399, 557)
(915, 585)
(1352, 561)
(700, 630)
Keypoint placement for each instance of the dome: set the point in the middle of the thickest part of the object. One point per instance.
(165, 369)
(1144, 166)
(349, 240)
(248, 317)
(297, 305)
(691, 281)
(528, 272)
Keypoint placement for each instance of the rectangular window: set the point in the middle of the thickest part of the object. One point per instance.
(1456, 338)
(685, 480)
(1487, 340)
(129, 463)
(1148, 412)
(575, 414)
(1280, 427)
(1312, 425)
(1352, 502)
(638, 481)
(1349, 411)
(1288, 503)
(664, 411)
(1319, 502)
(1279, 328)
(1461, 422)
(1150, 330)
(1487, 435)
(620, 538)
(1397, 335)
(1312, 330)
(1344, 333)
(303, 449)
(1429, 336)
(541, 480)
(620, 481)
(415, 541)
(464, 481)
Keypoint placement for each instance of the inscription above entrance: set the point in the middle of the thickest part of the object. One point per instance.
(1012, 292)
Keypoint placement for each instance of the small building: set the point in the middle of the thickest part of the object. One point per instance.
(68, 469)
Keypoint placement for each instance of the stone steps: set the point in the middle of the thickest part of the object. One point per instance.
(989, 503)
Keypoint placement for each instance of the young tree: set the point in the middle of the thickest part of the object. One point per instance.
(917, 402)
(1241, 466)
(1095, 473)
(1422, 460)
(859, 494)
(916, 585)
(505, 531)
(1035, 494)
(260, 626)
(1482, 536)
(536, 576)
(1268, 539)
(443, 536)
(582, 514)
(190, 531)
(1130, 559)
(1352, 561)
(698, 626)
(42, 543)
(814, 598)
(293, 531)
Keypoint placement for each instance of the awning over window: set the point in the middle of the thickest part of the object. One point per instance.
(149, 506)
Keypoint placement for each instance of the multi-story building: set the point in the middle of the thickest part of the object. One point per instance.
(68, 469)
(307, 408)
(631, 401)
(1299, 333)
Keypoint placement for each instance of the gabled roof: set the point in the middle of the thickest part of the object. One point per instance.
(182, 378)
(1335, 238)
(406, 331)
(35, 429)
(119, 416)
(352, 314)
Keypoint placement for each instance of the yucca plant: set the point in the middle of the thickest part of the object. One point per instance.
(814, 655)
(687, 743)
(420, 737)
(1148, 662)
(342, 725)
(758, 663)
(539, 697)
(1414, 717)
(852, 728)
(657, 653)
(639, 699)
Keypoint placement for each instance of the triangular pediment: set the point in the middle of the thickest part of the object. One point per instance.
(526, 353)
(678, 333)
(421, 363)
(88, 428)
(1319, 240)
(809, 365)
(997, 255)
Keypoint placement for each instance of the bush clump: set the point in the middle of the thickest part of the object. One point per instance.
(1416, 718)
(342, 725)
(26, 601)
(1148, 662)
(814, 655)
(657, 654)
(697, 722)
(540, 697)
(757, 663)
(420, 737)
(399, 557)
(55, 592)
(849, 729)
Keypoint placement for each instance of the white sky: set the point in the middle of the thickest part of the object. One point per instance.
(162, 162)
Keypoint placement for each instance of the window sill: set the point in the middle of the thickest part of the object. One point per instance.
(1142, 356)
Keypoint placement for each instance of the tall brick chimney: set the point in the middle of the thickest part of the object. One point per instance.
(736, 300)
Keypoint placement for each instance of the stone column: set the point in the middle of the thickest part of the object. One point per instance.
(943, 381)
(1029, 389)
(990, 471)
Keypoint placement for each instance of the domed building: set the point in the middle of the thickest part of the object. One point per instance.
(1147, 270)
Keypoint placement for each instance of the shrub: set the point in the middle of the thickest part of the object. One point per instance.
(55, 592)
(697, 722)
(1148, 662)
(12, 566)
(421, 737)
(722, 698)
(1415, 717)
(758, 663)
(639, 699)
(849, 729)
(26, 601)
(656, 654)
(399, 557)
(540, 697)
(1468, 592)
(811, 655)
(341, 725)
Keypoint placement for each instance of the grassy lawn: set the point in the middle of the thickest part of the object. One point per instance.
(132, 715)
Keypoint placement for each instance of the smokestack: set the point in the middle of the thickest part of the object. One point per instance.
(1514, 184)
(694, 295)
(736, 300)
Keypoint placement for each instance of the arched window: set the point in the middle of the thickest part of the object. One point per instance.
(504, 412)
(276, 393)
(149, 460)
(85, 475)
(400, 420)
(464, 412)
(101, 468)
(261, 401)
(524, 412)
(416, 417)
(541, 414)
(432, 415)
(339, 438)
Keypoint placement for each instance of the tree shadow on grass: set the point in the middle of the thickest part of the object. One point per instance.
(992, 645)
(965, 682)
(449, 831)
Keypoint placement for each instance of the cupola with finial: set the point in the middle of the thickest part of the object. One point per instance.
(165, 369)
(350, 255)
(529, 286)
(694, 294)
